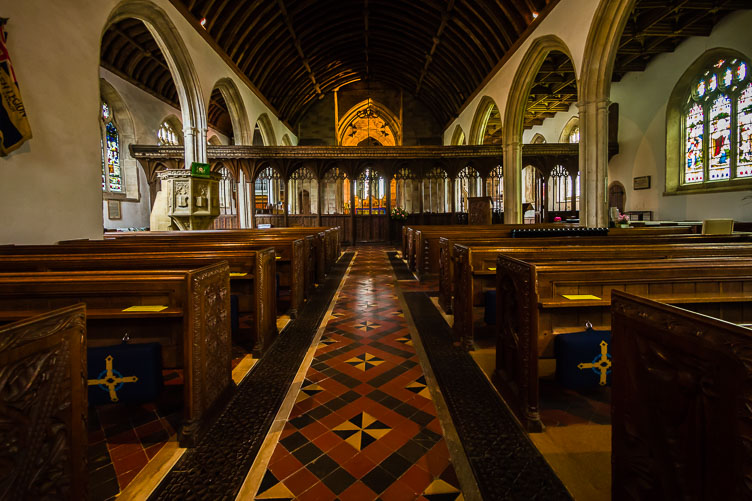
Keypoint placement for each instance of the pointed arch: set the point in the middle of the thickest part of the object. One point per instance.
(173, 123)
(572, 124)
(181, 68)
(266, 129)
(458, 137)
(514, 116)
(383, 112)
(481, 118)
(286, 140)
(538, 138)
(241, 126)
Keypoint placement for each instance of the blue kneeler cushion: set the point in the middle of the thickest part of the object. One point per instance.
(583, 359)
(125, 373)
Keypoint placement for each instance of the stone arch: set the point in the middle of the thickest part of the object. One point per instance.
(127, 133)
(568, 128)
(383, 111)
(538, 138)
(266, 129)
(214, 140)
(601, 47)
(675, 111)
(458, 137)
(241, 127)
(181, 68)
(514, 115)
(286, 140)
(480, 120)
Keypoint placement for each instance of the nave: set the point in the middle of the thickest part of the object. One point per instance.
(364, 417)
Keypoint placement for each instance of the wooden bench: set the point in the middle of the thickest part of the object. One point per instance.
(290, 256)
(193, 328)
(531, 308)
(484, 250)
(252, 278)
(43, 405)
(680, 395)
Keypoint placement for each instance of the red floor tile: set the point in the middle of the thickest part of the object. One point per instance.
(357, 492)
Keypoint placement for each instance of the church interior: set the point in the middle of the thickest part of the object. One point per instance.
(376, 249)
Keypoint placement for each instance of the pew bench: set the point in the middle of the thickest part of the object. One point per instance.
(193, 328)
(252, 278)
(531, 310)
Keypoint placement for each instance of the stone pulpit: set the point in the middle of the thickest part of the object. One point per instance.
(191, 202)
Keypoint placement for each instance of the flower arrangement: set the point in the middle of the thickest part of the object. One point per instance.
(623, 219)
(557, 219)
(399, 214)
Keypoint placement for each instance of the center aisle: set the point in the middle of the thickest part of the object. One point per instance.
(364, 425)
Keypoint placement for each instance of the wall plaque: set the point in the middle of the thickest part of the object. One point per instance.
(641, 183)
(113, 209)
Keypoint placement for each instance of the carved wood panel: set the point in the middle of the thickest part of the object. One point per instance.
(43, 406)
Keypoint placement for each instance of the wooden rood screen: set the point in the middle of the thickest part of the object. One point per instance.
(682, 419)
(43, 406)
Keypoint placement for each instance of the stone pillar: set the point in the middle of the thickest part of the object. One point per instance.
(513, 183)
(319, 202)
(594, 162)
(195, 145)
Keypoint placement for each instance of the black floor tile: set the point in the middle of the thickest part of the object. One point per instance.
(322, 466)
(396, 465)
(294, 441)
(307, 453)
(378, 479)
(339, 480)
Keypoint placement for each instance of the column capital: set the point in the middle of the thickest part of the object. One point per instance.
(601, 103)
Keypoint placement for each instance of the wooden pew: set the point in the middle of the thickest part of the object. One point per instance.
(680, 403)
(193, 329)
(531, 309)
(43, 406)
(426, 245)
(252, 278)
(290, 256)
(483, 250)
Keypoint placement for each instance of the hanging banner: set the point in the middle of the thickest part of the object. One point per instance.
(14, 126)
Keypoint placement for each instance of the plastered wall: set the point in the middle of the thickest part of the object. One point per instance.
(50, 189)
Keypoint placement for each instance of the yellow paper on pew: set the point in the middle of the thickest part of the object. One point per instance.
(580, 297)
(236, 274)
(156, 307)
(491, 269)
(277, 257)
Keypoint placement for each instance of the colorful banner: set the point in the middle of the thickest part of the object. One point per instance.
(14, 126)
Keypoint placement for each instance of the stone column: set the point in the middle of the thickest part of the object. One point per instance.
(594, 162)
(513, 183)
(195, 145)
(319, 202)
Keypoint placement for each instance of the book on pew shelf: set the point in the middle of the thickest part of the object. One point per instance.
(124, 373)
(583, 359)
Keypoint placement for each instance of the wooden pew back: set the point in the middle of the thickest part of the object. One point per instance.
(680, 415)
(43, 405)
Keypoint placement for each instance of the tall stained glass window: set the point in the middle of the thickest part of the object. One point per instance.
(744, 163)
(112, 178)
(718, 125)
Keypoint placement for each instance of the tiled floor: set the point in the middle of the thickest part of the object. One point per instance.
(363, 425)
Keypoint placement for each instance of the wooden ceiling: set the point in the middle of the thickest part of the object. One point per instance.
(658, 26)
(296, 51)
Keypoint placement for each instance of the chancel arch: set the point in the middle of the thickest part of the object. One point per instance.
(181, 69)
(367, 123)
(537, 92)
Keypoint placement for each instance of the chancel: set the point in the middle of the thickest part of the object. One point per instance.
(375, 249)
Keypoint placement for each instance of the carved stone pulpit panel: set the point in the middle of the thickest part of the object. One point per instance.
(192, 202)
(479, 210)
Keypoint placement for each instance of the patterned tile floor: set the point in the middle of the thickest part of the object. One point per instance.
(364, 425)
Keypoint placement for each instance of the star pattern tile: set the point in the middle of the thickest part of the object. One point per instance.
(363, 425)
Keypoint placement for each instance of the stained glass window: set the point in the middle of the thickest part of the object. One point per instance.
(720, 138)
(718, 125)
(112, 178)
(744, 163)
(693, 168)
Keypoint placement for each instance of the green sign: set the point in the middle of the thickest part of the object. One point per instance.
(200, 170)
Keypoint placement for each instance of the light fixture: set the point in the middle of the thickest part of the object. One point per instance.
(535, 15)
(203, 22)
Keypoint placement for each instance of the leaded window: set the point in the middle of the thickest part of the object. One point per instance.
(717, 125)
(336, 192)
(112, 177)
(468, 184)
(437, 189)
(304, 192)
(269, 192)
